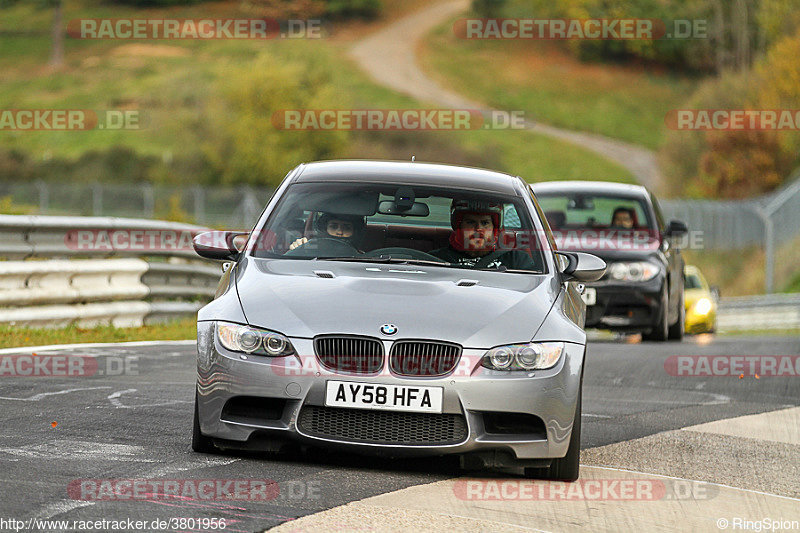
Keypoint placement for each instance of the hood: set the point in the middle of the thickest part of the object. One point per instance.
(422, 302)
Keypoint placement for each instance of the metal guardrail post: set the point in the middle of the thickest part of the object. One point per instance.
(149, 200)
(44, 196)
(97, 199)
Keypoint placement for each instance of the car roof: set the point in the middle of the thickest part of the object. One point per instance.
(408, 173)
(691, 269)
(589, 187)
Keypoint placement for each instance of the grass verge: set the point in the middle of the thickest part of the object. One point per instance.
(18, 336)
(551, 86)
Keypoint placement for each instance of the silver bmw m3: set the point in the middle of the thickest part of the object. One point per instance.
(400, 309)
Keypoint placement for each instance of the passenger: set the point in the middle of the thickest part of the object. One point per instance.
(347, 228)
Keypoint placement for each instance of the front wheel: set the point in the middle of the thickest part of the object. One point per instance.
(676, 330)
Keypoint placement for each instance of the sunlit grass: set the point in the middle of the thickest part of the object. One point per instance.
(553, 87)
(19, 336)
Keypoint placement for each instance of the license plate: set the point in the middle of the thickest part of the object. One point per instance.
(383, 397)
(589, 296)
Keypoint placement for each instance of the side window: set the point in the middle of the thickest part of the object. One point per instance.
(511, 217)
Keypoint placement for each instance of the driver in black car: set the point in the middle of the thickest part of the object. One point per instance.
(347, 228)
(473, 242)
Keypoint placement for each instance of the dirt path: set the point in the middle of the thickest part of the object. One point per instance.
(389, 56)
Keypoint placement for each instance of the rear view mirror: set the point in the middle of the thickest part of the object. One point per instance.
(581, 266)
(417, 209)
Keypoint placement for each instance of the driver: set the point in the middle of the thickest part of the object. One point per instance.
(348, 228)
(623, 217)
(473, 242)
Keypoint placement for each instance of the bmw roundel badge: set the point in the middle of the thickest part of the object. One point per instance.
(388, 329)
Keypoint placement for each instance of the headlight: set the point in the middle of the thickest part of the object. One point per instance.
(634, 271)
(245, 339)
(531, 356)
(702, 306)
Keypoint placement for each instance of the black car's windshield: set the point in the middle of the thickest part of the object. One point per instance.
(596, 211)
(337, 221)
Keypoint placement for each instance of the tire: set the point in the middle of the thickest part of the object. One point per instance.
(201, 443)
(676, 330)
(660, 331)
(566, 468)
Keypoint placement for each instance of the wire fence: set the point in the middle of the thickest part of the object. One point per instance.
(229, 207)
(769, 221)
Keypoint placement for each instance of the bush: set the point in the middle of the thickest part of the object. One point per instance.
(247, 147)
(353, 8)
(155, 3)
(488, 8)
(735, 164)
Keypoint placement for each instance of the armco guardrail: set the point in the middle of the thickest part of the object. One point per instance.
(772, 311)
(90, 270)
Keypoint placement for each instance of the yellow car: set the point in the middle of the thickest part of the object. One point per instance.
(701, 303)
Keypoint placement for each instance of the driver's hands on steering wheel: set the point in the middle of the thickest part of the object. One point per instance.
(299, 242)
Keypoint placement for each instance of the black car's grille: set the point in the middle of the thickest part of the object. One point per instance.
(382, 427)
(423, 358)
(358, 355)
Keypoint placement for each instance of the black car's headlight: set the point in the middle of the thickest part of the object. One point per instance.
(245, 339)
(632, 271)
(530, 356)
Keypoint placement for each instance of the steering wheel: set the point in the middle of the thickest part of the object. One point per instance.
(324, 247)
(404, 253)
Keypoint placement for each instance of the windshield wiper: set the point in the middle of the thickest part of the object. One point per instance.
(386, 259)
(503, 268)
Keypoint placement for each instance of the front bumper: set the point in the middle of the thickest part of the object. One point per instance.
(627, 306)
(470, 391)
(697, 323)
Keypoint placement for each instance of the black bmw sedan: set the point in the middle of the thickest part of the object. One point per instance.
(642, 290)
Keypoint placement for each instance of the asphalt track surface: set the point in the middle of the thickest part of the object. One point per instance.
(137, 425)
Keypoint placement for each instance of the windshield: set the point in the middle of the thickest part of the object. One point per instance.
(580, 210)
(396, 223)
(693, 282)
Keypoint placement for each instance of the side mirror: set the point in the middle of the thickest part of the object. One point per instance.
(714, 290)
(581, 266)
(219, 245)
(676, 228)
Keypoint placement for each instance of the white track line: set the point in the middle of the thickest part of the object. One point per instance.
(26, 349)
